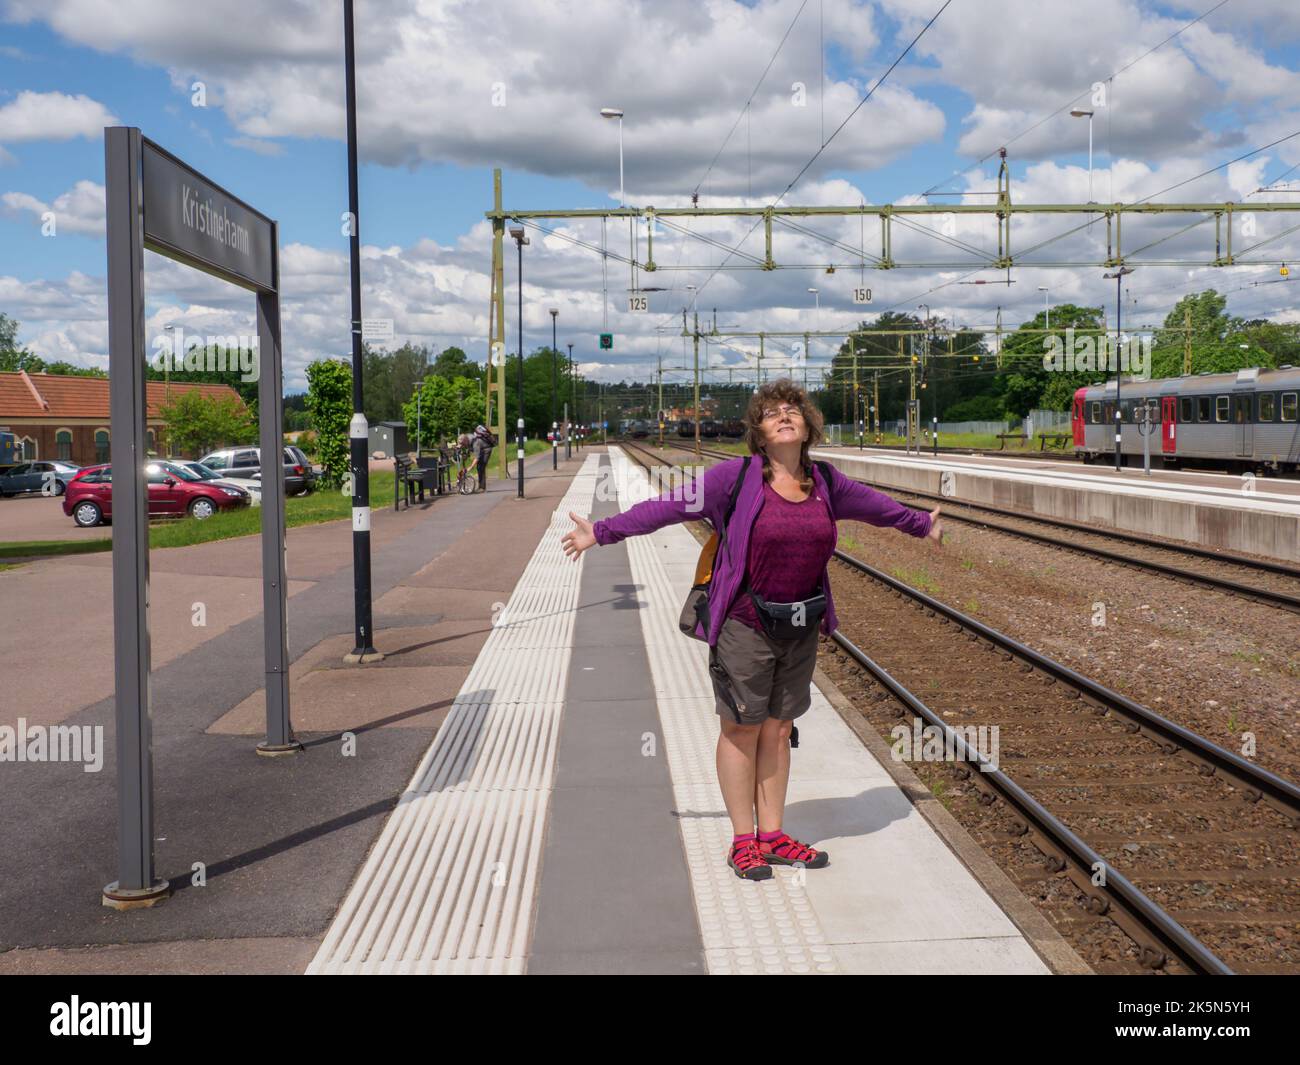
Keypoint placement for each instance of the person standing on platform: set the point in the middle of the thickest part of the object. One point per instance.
(482, 445)
(768, 597)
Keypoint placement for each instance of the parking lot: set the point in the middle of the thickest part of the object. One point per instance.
(37, 517)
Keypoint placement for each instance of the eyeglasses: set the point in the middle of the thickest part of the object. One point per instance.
(785, 408)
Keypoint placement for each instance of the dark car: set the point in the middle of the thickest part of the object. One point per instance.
(245, 463)
(173, 490)
(50, 478)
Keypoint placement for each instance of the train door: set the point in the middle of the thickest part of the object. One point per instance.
(1243, 424)
(1076, 423)
(1168, 425)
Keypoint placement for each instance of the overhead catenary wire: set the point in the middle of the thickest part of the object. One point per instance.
(827, 141)
(726, 140)
(1078, 96)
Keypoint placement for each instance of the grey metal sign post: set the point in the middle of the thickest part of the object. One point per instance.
(154, 201)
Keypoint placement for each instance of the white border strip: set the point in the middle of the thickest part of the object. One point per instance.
(449, 885)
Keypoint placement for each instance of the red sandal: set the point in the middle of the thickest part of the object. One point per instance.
(748, 861)
(786, 851)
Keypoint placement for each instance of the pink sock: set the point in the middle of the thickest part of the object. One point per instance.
(742, 839)
(768, 837)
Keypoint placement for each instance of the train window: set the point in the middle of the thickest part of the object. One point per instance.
(1202, 408)
(1288, 406)
(1110, 412)
(1185, 409)
(1095, 408)
(1267, 406)
(1220, 408)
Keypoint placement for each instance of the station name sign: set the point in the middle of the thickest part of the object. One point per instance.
(189, 218)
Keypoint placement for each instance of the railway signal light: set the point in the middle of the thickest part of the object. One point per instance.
(606, 341)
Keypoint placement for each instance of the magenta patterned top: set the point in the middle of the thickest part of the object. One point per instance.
(788, 551)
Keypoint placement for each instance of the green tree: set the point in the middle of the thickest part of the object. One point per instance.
(192, 364)
(329, 402)
(67, 369)
(13, 357)
(1217, 339)
(445, 409)
(197, 424)
(1026, 382)
(388, 378)
(453, 362)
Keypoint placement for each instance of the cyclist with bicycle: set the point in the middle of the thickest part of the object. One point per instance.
(482, 444)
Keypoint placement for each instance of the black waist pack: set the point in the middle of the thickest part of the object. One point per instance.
(789, 621)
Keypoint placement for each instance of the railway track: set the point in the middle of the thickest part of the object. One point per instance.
(1151, 848)
(1274, 584)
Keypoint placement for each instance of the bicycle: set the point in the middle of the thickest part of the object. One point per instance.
(466, 478)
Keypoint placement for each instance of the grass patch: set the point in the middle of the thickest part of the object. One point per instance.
(847, 543)
(918, 577)
(324, 504)
(42, 548)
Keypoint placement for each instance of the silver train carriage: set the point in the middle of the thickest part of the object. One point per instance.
(1239, 421)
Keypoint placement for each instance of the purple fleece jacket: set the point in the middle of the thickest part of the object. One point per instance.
(847, 499)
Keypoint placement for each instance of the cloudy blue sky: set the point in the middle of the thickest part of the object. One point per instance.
(448, 90)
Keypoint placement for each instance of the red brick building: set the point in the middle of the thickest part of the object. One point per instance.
(57, 417)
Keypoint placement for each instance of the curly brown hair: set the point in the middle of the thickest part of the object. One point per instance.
(782, 390)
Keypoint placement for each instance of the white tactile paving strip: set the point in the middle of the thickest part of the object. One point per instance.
(895, 900)
(449, 885)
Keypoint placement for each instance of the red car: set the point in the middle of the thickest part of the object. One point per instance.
(173, 490)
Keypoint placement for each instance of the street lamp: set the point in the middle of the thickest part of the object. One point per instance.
(1079, 113)
(1118, 275)
(555, 442)
(568, 421)
(617, 112)
(1047, 314)
(925, 373)
(517, 232)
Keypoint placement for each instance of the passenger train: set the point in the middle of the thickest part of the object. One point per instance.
(1240, 421)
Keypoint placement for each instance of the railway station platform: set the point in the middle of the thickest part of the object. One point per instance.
(1258, 516)
(566, 816)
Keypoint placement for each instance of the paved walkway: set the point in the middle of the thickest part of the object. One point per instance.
(280, 840)
(566, 817)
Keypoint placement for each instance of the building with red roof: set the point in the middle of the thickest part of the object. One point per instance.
(64, 417)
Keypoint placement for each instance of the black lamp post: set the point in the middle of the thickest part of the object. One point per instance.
(363, 649)
(573, 407)
(1118, 275)
(520, 240)
(555, 441)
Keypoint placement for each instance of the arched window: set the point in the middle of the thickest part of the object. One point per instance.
(101, 445)
(149, 446)
(63, 445)
(28, 445)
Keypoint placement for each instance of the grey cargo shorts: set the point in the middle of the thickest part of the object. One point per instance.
(756, 677)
